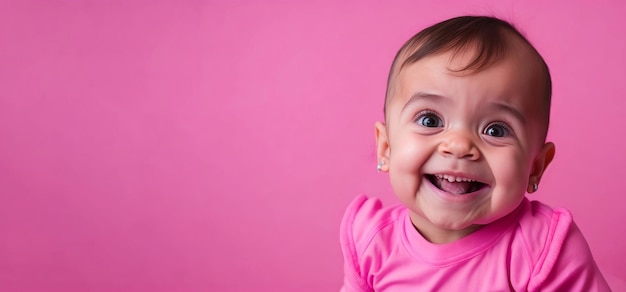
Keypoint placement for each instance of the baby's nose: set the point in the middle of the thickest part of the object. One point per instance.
(459, 145)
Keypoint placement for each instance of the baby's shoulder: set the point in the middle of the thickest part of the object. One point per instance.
(542, 230)
(366, 220)
(540, 223)
(368, 235)
(560, 256)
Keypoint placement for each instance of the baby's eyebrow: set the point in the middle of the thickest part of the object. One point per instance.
(498, 106)
(418, 96)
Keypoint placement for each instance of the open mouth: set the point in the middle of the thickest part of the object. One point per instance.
(454, 184)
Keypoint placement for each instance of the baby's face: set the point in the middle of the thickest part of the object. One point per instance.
(462, 148)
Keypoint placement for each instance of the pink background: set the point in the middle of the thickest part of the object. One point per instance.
(213, 145)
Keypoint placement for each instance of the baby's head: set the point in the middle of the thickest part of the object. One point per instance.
(466, 117)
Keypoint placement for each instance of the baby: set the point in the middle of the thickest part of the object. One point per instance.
(464, 138)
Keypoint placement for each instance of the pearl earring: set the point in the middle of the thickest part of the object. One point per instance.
(379, 166)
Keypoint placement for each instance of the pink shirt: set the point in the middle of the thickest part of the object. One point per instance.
(535, 248)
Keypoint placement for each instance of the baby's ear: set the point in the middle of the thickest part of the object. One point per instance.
(382, 146)
(541, 162)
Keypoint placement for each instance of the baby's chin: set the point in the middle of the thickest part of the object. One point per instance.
(443, 229)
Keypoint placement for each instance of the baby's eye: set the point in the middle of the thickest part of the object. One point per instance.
(429, 119)
(497, 129)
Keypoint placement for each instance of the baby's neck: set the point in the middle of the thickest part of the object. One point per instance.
(437, 235)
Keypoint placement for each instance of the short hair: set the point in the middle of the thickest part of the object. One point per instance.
(489, 36)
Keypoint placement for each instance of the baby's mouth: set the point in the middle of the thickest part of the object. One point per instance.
(454, 184)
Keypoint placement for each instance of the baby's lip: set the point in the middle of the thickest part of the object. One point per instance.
(458, 184)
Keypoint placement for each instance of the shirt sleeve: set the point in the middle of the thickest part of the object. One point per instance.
(568, 264)
(353, 226)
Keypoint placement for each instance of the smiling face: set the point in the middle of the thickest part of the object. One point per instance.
(462, 148)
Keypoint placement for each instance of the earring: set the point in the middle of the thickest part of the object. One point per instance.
(379, 166)
(535, 187)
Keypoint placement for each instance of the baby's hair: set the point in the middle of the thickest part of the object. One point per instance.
(489, 36)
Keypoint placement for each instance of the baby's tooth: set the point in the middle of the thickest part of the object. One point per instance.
(452, 178)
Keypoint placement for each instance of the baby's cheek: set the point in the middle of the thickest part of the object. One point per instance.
(512, 174)
(410, 156)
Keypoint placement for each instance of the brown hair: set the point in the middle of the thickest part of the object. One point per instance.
(489, 36)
